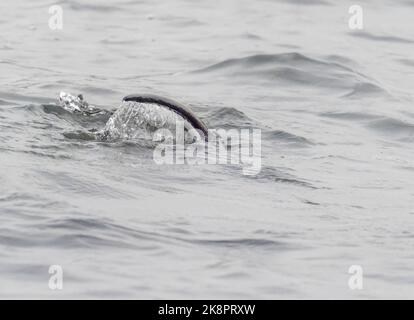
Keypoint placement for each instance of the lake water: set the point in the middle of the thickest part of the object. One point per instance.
(336, 111)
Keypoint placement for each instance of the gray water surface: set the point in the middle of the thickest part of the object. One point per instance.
(336, 187)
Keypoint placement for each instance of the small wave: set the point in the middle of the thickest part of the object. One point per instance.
(183, 22)
(106, 233)
(283, 136)
(312, 203)
(243, 242)
(365, 89)
(6, 103)
(265, 59)
(49, 239)
(226, 117)
(251, 36)
(407, 62)
(351, 116)
(62, 156)
(97, 120)
(385, 38)
(80, 135)
(272, 174)
(340, 59)
(291, 69)
(401, 130)
(81, 224)
(14, 97)
(98, 91)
